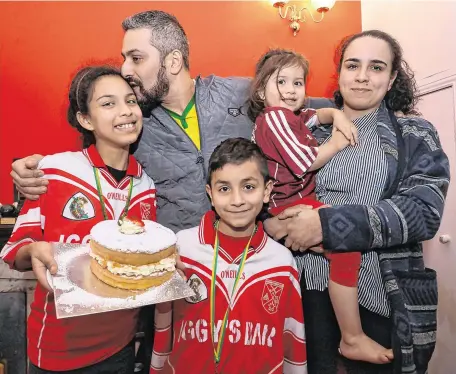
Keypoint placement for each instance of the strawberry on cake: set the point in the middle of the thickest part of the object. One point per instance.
(132, 254)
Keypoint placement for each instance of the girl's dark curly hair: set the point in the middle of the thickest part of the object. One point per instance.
(80, 94)
(403, 94)
(267, 65)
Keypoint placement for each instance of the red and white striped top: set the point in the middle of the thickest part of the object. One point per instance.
(290, 149)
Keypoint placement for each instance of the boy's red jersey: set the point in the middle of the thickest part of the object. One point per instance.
(265, 327)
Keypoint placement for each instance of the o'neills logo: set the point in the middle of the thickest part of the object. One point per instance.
(230, 274)
(116, 196)
(237, 332)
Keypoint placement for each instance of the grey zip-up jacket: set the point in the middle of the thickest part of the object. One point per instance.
(171, 159)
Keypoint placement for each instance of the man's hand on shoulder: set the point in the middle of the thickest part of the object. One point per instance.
(27, 177)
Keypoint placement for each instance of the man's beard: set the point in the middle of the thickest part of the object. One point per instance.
(153, 97)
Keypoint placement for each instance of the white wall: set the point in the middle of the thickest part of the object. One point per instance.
(425, 29)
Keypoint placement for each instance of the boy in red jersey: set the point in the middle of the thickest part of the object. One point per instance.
(246, 315)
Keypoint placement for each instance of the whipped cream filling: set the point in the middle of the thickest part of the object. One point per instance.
(155, 269)
(128, 227)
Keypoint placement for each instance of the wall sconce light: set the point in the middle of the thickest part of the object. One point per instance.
(297, 15)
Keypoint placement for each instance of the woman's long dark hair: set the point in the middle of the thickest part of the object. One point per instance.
(402, 97)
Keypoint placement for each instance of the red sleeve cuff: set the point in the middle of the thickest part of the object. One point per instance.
(11, 255)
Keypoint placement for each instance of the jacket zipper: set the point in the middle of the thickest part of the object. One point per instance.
(200, 153)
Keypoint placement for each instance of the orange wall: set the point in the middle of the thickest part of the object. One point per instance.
(42, 44)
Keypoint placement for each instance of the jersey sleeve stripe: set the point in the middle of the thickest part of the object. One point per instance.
(137, 200)
(294, 326)
(10, 250)
(310, 151)
(293, 336)
(81, 186)
(276, 129)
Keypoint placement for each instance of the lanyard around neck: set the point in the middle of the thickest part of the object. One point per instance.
(218, 349)
(100, 195)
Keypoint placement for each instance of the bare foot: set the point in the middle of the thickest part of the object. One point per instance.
(363, 348)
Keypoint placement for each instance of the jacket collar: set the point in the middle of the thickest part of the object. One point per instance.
(389, 143)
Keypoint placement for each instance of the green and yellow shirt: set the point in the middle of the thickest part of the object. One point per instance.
(188, 121)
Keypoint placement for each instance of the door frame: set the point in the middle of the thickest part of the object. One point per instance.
(438, 82)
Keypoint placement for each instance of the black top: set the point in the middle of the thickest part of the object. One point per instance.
(117, 174)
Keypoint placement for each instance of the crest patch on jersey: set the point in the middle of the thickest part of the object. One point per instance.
(145, 210)
(198, 287)
(78, 208)
(270, 297)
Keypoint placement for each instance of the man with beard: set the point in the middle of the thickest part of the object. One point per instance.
(184, 120)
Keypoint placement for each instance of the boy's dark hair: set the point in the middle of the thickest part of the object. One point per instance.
(237, 151)
(80, 94)
(274, 59)
(403, 95)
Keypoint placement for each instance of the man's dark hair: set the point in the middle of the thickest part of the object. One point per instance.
(80, 94)
(166, 33)
(237, 151)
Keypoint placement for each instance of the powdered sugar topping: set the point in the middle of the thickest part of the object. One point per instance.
(154, 239)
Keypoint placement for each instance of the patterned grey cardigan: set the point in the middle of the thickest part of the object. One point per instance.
(395, 228)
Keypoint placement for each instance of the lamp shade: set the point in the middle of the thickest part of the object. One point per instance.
(278, 3)
(322, 5)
